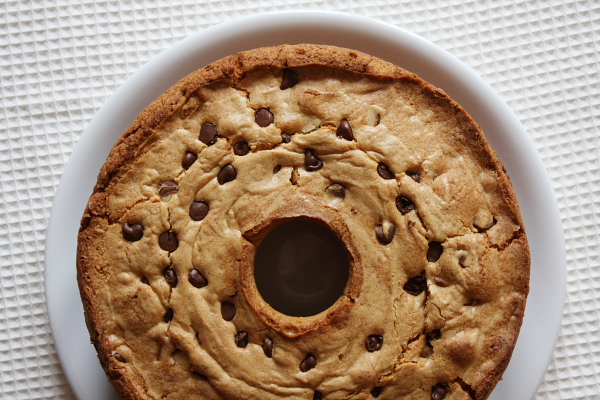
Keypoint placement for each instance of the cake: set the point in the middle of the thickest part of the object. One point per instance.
(405, 180)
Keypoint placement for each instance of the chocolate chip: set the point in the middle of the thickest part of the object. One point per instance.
(416, 285)
(168, 241)
(241, 339)
(404, 204)
(119, 357)
(276, 169)
(227, 174)
(264, 117)
(197, 279)
(168, 315)
(290, 78)
(228, 310)
(188, 159)
(145, 280)
(311, 161)
(414, 175)
(268, 347)
(435, 251)
(318, 396)
(208, 134)
(374, 343)
(438, 392)
(132, 232)
(286, 137)
(170, 276)
(308, 363)
(199, 210)
(241, 148)
(167, 188)
(344, 130)
(336, 190)
(384, 171)
(382, 236)
(376, 391)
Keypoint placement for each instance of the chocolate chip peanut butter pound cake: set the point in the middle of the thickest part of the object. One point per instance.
(241, 155)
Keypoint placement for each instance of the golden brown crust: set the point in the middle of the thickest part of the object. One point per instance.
(498, 242)
(234, 67)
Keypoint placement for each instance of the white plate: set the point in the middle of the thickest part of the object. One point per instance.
(513, 145)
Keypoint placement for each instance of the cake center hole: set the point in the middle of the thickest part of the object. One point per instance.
(301, 268)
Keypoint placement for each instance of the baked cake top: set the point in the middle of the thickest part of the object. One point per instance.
(439, 262)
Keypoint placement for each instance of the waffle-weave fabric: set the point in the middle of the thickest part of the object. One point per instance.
(60, 62)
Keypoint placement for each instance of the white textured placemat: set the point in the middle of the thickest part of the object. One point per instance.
(59, 63)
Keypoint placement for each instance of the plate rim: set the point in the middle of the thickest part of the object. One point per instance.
(536, 181)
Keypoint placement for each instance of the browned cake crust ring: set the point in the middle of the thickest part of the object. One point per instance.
(397, 170)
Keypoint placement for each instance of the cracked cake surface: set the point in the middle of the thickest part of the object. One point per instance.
(400, 173)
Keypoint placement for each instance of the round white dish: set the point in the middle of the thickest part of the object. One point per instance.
(504, 131)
